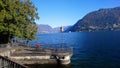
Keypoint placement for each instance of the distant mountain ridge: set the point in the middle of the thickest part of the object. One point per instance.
(43, 28)
(101, 20)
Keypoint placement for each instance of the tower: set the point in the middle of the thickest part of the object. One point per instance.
(61, 29)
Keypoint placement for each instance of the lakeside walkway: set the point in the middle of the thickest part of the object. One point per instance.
(27, 55)
(25, 51)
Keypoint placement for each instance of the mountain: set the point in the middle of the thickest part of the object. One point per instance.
(42, 28)
(57, 29)
(100, 20)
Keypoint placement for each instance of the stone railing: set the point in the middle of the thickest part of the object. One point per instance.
(7, 63)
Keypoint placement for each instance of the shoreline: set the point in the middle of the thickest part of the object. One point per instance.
(26, 55)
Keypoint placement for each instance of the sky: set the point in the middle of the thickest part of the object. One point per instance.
(67, 12)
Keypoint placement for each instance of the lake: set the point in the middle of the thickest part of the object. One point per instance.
(90, 49)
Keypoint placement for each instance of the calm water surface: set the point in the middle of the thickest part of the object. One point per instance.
(91, 49)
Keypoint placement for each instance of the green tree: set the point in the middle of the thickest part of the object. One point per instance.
(17, 18)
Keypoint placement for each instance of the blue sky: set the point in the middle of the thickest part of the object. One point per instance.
(67, 12)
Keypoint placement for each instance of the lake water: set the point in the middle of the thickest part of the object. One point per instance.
(91, 49)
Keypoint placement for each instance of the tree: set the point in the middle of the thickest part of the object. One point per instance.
(17, 18)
